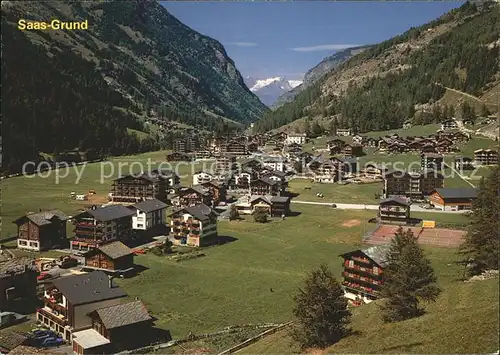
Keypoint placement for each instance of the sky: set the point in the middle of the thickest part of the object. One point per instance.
(268, 39)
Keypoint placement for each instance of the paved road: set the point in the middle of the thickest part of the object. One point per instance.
(351, 206)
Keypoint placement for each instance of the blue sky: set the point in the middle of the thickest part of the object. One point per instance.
(268, 39)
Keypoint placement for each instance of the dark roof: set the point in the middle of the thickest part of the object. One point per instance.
(43, 218)
(267, 181)
(109, 213)
(276, 173)
(200, 212)
(115, 250)
(196, 188)
(145, 176)
(457, 192)
(396, 199)
(377, 253)
(280, 199)
(458, 158)
(87, 288)
(123, 314)
(150, 205)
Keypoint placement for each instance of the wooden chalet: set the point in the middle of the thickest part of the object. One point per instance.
(394, 209)
(99, 226)
(352, 150)
(218, 190)
(363, 273)
(136, 188)
(432, 161)
(178, 156)
(124, 324)
(463, 163)
(265, 186)
(114, 256)
(194, 195)
(41, 231)
(453, 199)
(274, 206)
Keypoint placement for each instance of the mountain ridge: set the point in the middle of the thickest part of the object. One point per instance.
(269, 89)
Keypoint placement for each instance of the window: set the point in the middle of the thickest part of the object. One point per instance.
(23, 242)
(140, 225)
(34, 244)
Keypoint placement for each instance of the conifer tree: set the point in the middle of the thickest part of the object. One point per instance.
(482, 242)
(409, 279)
(321, 310)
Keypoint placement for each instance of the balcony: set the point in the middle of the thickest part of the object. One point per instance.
(57, 318)
(362, 269)
(360, 278)
(357, 287)
(362, 260)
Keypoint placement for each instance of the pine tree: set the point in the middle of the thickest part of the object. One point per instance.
(333, 127)
(408, 279)
(482, 242)
(321, 311)
(233, 213)
(260, 216)
(316, 129)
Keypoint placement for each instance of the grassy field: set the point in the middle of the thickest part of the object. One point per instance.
(30, 193)
(232, 283)
(463, 320)
(352, 193)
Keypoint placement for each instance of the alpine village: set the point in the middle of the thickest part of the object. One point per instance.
(151, 202)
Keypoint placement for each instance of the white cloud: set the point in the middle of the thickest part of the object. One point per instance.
(324, 47)
(242, 44)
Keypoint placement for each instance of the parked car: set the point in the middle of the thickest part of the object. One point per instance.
(51, 341)
(44, 276)
(68, 262)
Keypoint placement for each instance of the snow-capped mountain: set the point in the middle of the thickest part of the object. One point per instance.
(268, 90)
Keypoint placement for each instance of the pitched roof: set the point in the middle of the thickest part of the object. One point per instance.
(43, 218)
(115, 249)
(109, 213)
(280, 199)
(378, 254)
(396, 199)
(123, 314)
(457, 192)
(87, 288)
(200, 212)
(9, 339)
(150, 205)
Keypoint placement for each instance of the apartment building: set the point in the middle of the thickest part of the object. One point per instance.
(191, 226)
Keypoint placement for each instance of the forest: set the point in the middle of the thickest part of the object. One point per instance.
(462, 58)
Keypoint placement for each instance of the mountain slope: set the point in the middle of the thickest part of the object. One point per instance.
(314, 74)
(268, 90)
(382, 87)
(83, 88)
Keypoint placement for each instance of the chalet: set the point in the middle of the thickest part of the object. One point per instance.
(327, 171)
(335, 146)
(453, 199)
(384, 143)
(449, 124)
(274, 206)
(432, 161)
(68, 301)
(298, 138)
(352, 150)
(171, 177)
(416, 145)
(397, 148)
(444, 146)
(463, 163)
(17, 282)
(202, 154)
(186, 144)
(373, 171)
(201, 177)
(114, 256)
(428, 148)
(148, 215)
(192, 196)
(275, 175)
(144, 186)
(364, 272)
(122, 324)
(486, 157)
(372, 142)
(192, 226)
(178, 156)
(265, 186)
(101, 225)
(411, 184)
(359, 139)
(217, 189)
(41, 231)
(394, 209)
(344, 132)
(305, 157)
(243, 177)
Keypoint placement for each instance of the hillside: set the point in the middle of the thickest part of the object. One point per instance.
(83, 88)
(313, 75)
(384, 85)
